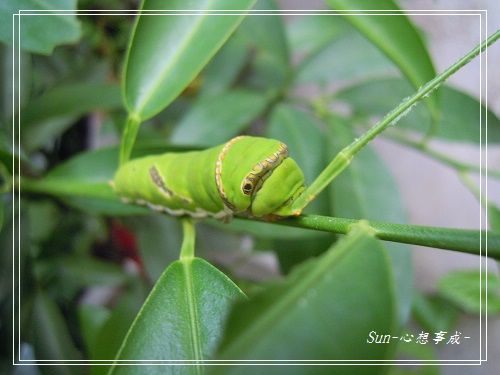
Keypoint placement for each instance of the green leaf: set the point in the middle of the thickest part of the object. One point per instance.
(40, 33)
(308, 34)
(396, 37)
(6, 181)
(216, 119)
(100, 165)
(289, 125)
(87, 271)
(113, 331)
(47, 217)
(83, 182)
(5, 176)
(92, 166)
(268, 67)
(267, 33)
(224, 68)
(367, 190)
(2, 215)
(71, 100)
(302, 133)
(348, 58)
(459, 112)
(469, 290)
(292, 252)
(7, 240)
(264, 230)
(92, 318)
(158, 68)
(50, 114)
(418, 353)
(320, 311)
(6, 84)
(434, 313)
(51, 336)
(494, 216)
(92, 197)
(8, 158)
(9, 61)
(182, 318)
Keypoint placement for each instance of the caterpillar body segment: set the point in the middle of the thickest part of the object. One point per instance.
(249, 176)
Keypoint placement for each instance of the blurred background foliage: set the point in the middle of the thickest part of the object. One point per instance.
(87, 261)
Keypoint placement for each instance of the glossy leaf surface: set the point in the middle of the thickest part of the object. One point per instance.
(396, 37)
(216, 119)
(52, 339)
(289, 125)
(182, 318)
(469, 290)
(84, 180)
(158, 68)
(49, 115)
(40, 33)
(310, 34)
(323, 310)
(267, 32)
(367, 190)
(346, 59)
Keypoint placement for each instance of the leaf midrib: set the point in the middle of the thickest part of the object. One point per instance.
(194, 336)
(173, 61)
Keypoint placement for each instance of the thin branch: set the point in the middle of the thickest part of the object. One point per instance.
(188, 242)
(344, 157)
(473, 188)
(401, 138)
(128, 138)
(462, 240)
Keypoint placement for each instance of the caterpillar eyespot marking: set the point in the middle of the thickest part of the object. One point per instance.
(246, 176)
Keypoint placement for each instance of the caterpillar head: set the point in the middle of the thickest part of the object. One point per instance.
(256, 176)
(279, 190)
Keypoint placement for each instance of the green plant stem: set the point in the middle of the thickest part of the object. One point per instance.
(444, 238)
(403, 139)
(462, 240)
(344, 157)
(473, 188)
(128, 137)
(188, 241)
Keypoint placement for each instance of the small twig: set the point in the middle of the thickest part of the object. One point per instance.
(344, 157)
(188, 242)
(462, 240)
(403, 139)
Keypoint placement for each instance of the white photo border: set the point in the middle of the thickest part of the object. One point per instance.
(16, 73)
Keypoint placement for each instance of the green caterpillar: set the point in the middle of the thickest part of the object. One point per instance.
(247, 176)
